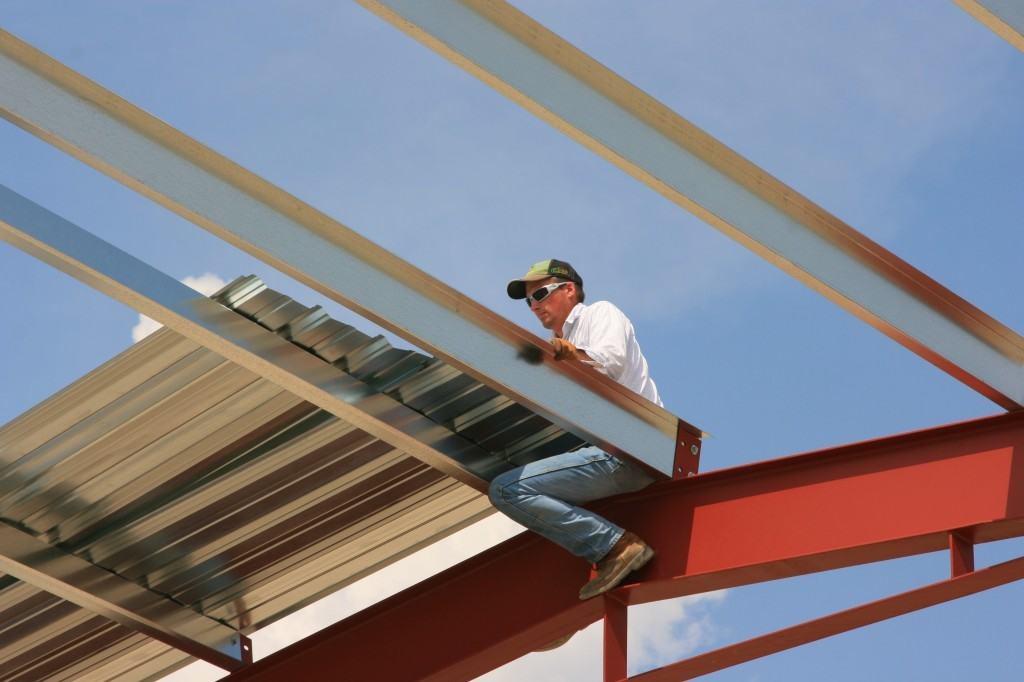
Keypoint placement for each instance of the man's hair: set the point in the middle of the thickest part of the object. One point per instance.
(580, 295)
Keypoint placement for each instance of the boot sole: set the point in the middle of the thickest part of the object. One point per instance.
(638, 562)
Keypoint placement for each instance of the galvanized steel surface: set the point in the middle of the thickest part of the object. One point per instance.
(94, 125)
(207, 484)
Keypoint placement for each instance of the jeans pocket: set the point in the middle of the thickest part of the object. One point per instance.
(595, 454)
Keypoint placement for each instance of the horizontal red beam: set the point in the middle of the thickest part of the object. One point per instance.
(844, 621)
(854, 504)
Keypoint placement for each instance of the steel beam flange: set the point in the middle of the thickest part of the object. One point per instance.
(1005, 18)
(100, 591)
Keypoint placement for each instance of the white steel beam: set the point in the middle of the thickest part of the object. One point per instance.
(125, 278)
(100, 591)
(567, 88)
(66, 109)
(1004, 17)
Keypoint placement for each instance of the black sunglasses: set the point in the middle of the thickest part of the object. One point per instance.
(541, 293)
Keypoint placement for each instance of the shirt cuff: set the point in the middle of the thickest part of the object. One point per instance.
(600, 359)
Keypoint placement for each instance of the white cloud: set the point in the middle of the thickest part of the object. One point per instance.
(144, 327)
(207, 283)
(659, 633)
(667, 631)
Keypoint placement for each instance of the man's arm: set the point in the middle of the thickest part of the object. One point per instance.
(604, 335)
(564, 350)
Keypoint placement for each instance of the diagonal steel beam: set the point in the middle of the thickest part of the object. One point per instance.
(106, 268)
(100, 591)
(604, 112)
(1004, 17)
(893, 497)
(833, 624)
(71, 112)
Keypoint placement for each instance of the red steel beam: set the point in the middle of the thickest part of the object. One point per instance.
(833, 624)
(961, 554)
(872, 501)
(616, 631)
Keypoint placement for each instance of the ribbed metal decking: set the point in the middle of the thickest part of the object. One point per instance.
(205, 483)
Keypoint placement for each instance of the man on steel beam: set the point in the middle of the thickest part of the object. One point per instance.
(544, 495)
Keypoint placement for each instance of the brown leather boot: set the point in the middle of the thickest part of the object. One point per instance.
(628, 554)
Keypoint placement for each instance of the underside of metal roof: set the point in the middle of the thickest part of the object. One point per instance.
(210, 486)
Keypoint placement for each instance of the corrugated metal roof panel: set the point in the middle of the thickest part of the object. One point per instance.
(203, 482)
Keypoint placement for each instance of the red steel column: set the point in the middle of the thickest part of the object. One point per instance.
(615, 636)
(961, 553)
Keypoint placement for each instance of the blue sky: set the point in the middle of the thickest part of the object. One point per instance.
(904, 119)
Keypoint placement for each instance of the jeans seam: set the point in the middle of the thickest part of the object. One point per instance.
(587, 543)
(543, 522)
(596, 535)
(565, 468)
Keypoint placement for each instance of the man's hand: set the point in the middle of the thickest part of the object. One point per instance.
(564, 350)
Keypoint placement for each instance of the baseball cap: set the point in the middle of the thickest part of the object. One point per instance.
(542, 270)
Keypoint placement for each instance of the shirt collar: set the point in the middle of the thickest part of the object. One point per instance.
(570, 320)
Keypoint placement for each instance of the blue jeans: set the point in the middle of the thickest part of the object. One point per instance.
(543, 496)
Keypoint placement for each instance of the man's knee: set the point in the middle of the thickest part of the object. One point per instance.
(496, 491)
(506, 489)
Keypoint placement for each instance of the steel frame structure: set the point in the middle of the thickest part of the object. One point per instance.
(892, 497)
(593, 105)
(781, 500)
(96, 126)
(80, 582)
(1004, 17)
(93, 119)
(125, 278)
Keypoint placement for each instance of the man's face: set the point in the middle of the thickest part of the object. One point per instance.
(553, 310)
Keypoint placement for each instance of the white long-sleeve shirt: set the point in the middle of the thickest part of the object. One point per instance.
(603, 332)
